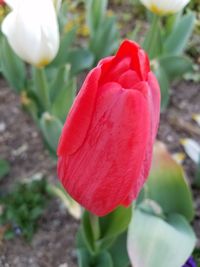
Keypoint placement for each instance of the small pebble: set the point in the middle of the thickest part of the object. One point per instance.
(2, 127)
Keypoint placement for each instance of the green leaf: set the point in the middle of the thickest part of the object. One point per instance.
(177, 41)
(51, 128)
(115, 222)
(119, 253)
(60, 78)
(4, 168)
(103, 259)
(164, 85)
(12, 67)
(175, 66)
(155, 242)
(65, 43)
(64, 100)
(96, 10)
(153, 41)
(80, 59)
(105, 40)
(83, 258)
(87, 232)
(167, 184)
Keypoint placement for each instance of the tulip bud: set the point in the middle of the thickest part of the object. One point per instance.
(165, 7)
(32, 30)
(105, 149)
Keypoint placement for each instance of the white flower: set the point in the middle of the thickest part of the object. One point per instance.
(32, 30)
(165, 7)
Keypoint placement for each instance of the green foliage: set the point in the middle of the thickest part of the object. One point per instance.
(159, 239)
(166, 182)
(119, 253)
(22, 207)
(12, 67)
(104, 36)
(4, 168)
(166, 45)
(51, 128)
(196, 255)
(99, 239)
(96, 11)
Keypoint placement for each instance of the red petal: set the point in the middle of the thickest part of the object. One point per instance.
(101, 174)
(144, 64)
(78, 120)
(153, 95)
(128, 79)
(111, 71)
(130, 49)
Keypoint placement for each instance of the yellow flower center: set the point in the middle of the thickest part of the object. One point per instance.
(159, 11)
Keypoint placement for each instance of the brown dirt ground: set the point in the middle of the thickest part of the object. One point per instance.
(21, 144)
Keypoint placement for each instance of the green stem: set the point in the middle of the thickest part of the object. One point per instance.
(41, 87)
(151, 39)
(94, 221)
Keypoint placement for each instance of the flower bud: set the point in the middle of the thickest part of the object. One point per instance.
(165, 7)
(32, 30)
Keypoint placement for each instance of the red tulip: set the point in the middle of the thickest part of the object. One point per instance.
(105, 149)
(2, 3)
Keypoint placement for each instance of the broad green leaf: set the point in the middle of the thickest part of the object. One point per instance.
(4, 168)
(164, 85)
(103, 260)
(175, 66)
(62, 56)
(51, 128)
(60, 78)
(62, 18)
(167, 184)
(177, 41)
(112, 225)
(153, 41)
(119, 253)
(83, 258)
(80, 59)
(105, 40)
(154, 242)
(64, 100)
(12, 67)
(115, 222)
(96, 11)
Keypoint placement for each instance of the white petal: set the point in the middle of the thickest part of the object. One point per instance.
(192, 148)
(32, 31)
(164, 7)
(12, 3)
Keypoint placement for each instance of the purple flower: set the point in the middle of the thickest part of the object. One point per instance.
(190, 263)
